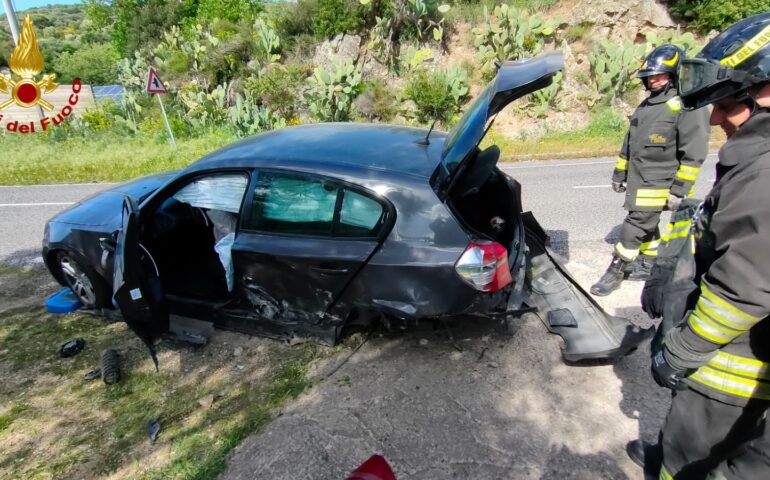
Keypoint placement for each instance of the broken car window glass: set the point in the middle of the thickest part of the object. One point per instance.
(221, 192)
(294, 204)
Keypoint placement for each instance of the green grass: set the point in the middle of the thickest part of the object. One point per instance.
(92, 430)
(603, 136)
(99, 157)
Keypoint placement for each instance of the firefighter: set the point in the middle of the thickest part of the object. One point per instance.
(657, 166)
(717, 359)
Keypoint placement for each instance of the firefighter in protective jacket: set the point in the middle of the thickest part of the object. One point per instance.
(717, 359)
(657, 167)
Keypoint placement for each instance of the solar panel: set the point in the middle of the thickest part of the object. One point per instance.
(112, 92)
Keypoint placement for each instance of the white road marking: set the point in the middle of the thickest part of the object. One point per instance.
(46, 204)
(591, 186)
(506, 167)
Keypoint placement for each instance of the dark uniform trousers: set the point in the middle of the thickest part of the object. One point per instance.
(703, 438)
(717, 426)
(661, 154)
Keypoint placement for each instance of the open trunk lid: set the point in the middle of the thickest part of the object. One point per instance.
(513, 80)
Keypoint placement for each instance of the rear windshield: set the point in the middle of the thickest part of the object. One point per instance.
(466, 134)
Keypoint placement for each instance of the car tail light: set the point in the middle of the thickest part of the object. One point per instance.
(485, 266)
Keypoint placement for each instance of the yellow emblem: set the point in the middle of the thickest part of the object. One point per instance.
(26, 62)
(657, 139)
(672, 62)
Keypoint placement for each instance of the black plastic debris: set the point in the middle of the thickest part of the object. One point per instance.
(153, 429)
(93, 374)
(72, 348)
(110, 367)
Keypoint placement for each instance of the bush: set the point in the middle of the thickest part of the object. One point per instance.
(232, 10)
(93, 64)
(377, 102)
(706, 15)
(279, 87)
(338, 16)
(437, 95)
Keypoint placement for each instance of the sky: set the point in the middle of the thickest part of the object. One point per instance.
(22, 5)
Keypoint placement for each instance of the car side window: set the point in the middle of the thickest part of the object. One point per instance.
(360, 216)
(293, 204)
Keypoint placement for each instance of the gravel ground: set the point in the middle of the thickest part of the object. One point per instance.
(496, 407)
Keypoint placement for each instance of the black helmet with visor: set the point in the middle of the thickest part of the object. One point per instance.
(729, 65)
(664, 59)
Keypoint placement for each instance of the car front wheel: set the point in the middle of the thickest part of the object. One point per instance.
(83, 281)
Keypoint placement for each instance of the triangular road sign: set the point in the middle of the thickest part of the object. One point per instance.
(154, 83)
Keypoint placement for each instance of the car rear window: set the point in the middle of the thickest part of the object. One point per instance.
(299, 204)
(359, 216)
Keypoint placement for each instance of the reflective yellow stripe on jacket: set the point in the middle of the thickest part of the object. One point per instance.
(621, 164)
(735, 375)
(688, 174)
(664, 475)
(717, 320)
(651, 197)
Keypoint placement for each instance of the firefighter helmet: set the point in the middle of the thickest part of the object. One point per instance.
(729, 65)
(664, 59)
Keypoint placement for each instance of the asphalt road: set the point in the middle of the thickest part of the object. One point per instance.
(24, 211)
(571, 198)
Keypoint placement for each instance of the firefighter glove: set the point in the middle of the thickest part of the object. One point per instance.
(619, 187)
(673, 202)
(655, 286)
(665, 375)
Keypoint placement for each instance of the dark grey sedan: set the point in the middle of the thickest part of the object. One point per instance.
(306, 230)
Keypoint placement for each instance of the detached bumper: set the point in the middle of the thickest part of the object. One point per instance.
(589, 333)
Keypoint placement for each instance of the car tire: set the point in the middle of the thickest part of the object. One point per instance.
(83, 280)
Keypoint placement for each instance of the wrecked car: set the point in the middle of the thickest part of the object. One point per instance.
(305, 230)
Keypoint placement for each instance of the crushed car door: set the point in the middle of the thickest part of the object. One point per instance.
(136, 284)
(303, 240)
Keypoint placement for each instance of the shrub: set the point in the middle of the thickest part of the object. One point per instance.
(706, 15)
(377, 102)
(233, 10)
(338, 16)
(279, 87)
(437, 95)
(93, 64)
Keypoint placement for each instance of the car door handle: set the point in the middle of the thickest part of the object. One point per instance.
(329, 270)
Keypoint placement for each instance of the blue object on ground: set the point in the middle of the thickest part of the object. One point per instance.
(63, 302)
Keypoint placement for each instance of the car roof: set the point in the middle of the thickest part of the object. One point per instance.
(354, 146)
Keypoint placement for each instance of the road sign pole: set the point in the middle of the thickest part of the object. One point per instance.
(10, 14)
(168, 126)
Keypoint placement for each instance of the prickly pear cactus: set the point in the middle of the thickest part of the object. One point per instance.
(331, 93)
(511, 34)
(613, 65)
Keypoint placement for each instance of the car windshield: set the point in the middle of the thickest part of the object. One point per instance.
(466, 134)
